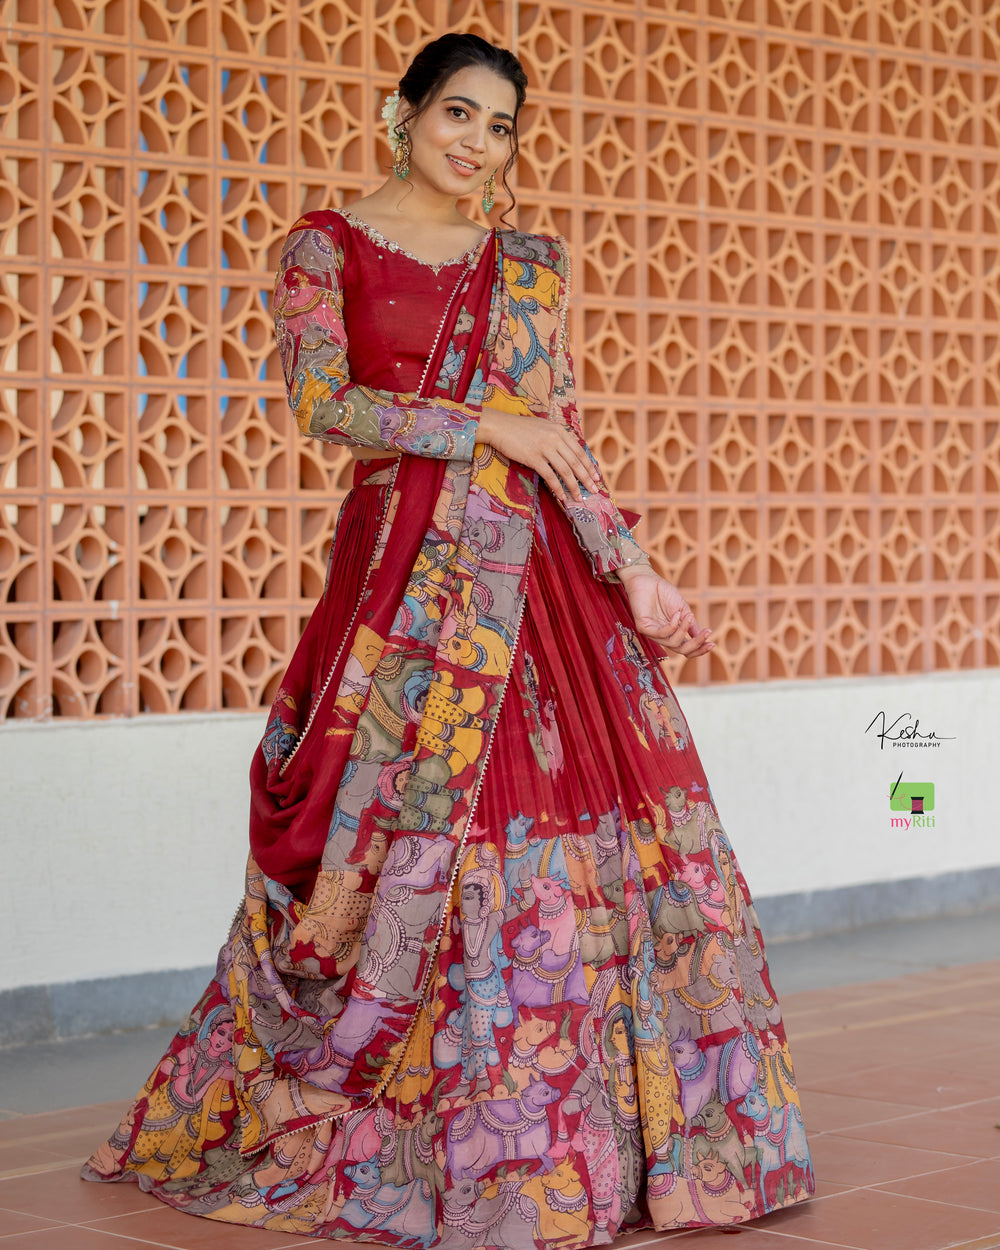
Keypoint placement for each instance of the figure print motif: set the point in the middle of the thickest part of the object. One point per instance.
(527, 1000)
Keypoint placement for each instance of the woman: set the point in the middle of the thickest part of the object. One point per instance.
(489, 984)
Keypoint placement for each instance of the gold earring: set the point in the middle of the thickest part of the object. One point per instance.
(401, 157)
(489, 192)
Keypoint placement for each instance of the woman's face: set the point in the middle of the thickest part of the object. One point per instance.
(464, 135)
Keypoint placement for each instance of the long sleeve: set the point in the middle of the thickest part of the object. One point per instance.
(600, 527)
(312, 344)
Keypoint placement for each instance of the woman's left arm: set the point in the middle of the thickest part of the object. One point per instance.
(600, 526)
(660, 610)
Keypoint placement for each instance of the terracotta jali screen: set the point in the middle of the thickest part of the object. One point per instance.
(786, 233)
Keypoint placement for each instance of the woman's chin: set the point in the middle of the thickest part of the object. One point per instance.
(453, 184)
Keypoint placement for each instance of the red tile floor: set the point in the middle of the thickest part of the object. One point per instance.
(900, 1084)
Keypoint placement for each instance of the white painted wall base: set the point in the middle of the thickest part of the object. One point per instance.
(124, 841)
(803, 790)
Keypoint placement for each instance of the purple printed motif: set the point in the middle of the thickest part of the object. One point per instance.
(547, 966)
(487, 1133)
(730, 1067)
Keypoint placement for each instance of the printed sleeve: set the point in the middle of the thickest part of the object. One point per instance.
(312, 343)
(600, 527)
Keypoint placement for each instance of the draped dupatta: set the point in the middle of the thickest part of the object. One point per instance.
(371, 762)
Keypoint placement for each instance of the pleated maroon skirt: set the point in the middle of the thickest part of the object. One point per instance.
(601, 1048)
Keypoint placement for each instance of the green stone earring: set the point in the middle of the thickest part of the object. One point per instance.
(401, 157)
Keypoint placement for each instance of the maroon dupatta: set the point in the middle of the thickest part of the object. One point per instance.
(371, 764)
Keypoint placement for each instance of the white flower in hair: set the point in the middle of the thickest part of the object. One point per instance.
(389, 117)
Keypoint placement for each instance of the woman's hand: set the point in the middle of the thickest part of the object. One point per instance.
(552, 450)
(661, 612)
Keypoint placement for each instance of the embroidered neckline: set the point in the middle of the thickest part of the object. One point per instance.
(376, 236)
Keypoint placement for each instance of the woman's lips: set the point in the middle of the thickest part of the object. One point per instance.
(460, 168)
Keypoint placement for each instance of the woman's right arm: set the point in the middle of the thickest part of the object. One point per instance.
(312, 344)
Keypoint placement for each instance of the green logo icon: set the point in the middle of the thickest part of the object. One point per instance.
(912, 796)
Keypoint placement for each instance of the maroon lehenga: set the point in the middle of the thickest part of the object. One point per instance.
(598, 1047)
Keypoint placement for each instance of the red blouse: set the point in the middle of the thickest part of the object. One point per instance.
(393, 305)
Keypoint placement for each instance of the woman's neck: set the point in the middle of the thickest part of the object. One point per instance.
(414, 204)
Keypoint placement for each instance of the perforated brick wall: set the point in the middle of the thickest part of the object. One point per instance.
(785, 223)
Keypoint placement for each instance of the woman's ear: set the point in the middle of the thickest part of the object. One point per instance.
(404, 110)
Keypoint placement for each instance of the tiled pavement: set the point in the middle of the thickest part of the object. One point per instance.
(900, 1082)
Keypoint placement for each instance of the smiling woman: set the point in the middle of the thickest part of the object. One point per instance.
(483, 97)
(497, 978)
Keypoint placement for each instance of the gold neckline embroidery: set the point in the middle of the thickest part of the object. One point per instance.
(376, 236)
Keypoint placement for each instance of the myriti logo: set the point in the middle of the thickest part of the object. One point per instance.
(913, 801)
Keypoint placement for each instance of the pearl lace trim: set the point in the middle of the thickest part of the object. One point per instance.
(390, 245)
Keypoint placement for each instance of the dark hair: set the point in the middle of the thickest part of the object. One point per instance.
(435, 63)
(475, 885)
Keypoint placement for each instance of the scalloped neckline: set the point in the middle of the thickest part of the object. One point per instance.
(376, 236)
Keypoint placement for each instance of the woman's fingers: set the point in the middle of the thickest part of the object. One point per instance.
(663, 614)
(688, 647)
(560, 474)
(680, 634)
(678, 626)
(701, 645)
(561, 483)
(571, 463)
(553, 451)
(570, 474)
(564, 453)
(583, 466)
(698, 644)
(677, 639)
(551, 479)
